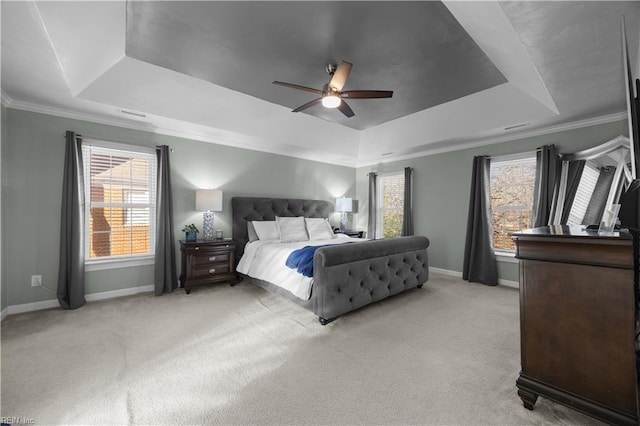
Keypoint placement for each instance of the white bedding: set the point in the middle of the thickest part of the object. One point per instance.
(265, 260)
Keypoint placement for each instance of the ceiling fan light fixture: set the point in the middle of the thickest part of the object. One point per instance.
(331, 101)
(331, 94)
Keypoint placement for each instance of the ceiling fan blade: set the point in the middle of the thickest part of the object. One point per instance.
(345, 109)
(366, 94)
(308, 105)
(297, 86)
(340, 76)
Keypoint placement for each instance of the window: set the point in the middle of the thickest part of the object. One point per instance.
(584, 192)
(120, 204)
(512, 183)
(390, 202)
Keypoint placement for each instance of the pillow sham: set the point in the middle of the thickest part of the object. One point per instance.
(292, 229)
(251, 231)
(319, 229)
(266, 230)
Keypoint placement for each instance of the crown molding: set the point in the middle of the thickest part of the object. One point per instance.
(150, 128)
(82, 116)
(594, 121)
(204, 137)
(6, 99)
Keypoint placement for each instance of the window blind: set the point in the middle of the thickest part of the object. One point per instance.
(390, 205)
(583, 194)
(120, 202)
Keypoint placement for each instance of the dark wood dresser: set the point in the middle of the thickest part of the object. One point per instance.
(577, 321)
(206, 262)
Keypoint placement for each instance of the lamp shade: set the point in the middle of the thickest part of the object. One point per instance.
(209, 200)
(344, 204)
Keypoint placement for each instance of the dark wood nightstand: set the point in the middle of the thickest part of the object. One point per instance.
(206, 262)
(356, 234)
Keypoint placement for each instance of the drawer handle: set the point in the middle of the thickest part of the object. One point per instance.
(212, 258)
(196, 248)
(212, 270)
(227, 246)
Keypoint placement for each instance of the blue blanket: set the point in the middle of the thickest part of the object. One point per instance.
(302, 259)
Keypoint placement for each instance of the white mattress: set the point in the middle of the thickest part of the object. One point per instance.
(265, 260)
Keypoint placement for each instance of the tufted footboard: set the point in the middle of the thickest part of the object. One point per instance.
(350, 276)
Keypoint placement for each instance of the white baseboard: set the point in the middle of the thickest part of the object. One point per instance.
(119, 293)
(446, 272)
(92, 297)
(506, 283)
(35, 306)
(509, 283)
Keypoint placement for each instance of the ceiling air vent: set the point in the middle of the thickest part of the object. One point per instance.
(515, 126)
(137, 114)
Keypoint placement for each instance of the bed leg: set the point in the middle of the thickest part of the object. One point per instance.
(324, 321)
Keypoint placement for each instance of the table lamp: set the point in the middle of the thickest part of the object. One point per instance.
(344, 205)
(209, 200)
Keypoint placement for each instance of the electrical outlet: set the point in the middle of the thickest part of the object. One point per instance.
(36, 280)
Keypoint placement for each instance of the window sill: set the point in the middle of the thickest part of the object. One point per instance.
(506, 256)
(101, 265)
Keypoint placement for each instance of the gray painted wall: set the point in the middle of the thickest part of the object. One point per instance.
(3, 159)
(33, 153)
(441, 191)
(33, 181)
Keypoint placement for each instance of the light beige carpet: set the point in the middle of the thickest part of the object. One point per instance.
(444, 354)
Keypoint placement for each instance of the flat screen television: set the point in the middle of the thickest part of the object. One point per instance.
(632, 104)
(629, 214)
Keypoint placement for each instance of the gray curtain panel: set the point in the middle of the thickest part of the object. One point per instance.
(407, 218)
(71, 264)
(546, 183)
(371, 228)
(165, 273)
(596, 206)
(574, 174)
(479, 258)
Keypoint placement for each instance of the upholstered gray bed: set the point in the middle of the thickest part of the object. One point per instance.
(346, 277)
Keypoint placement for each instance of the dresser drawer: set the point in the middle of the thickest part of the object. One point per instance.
(210, 257)
(210, 270)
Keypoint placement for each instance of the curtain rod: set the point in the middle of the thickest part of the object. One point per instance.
(100, 139)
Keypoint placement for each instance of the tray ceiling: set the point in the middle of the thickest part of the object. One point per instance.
(416, 49)
(463, 73)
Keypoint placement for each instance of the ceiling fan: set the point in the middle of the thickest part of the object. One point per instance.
(332, 94)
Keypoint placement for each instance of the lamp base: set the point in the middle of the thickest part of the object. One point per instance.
(207, 224)
(343, 221)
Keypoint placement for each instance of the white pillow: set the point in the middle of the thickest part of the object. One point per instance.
(266, 230)
(292, 229)
(251, 232)
(319, 229)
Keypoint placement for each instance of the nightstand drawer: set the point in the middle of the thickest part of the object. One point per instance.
(202, 249)
(210, 270)
(210, 257)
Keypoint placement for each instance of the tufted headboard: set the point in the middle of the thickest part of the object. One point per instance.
(246, 209)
